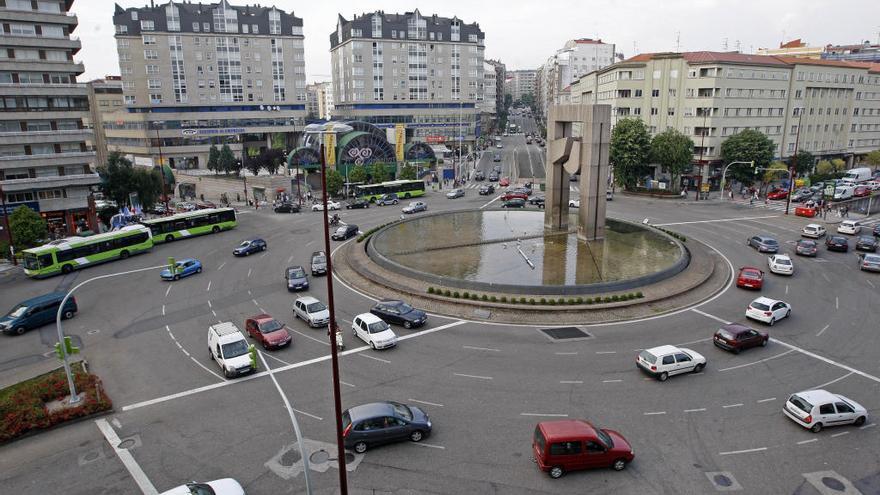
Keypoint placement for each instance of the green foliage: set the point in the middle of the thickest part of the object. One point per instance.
(839, 164)
(493, 298)
(748, 145)
(674, 152)
(552, 302)
(252, 163)
(119, 177)
(805, 162)
(379, 173)
(408, 172)
(615, 298)
(776, 171)
(825, 167)
(430, 290)
(357, 173)
(334, 181)
(873, 158)
(589, 301)
(543, 301)
(532, 302)
(474, 297)
(639, 295)
(226, 161)
(504, 299)
(214, 159)
(630, 150)
(580, 300)
(278, 141)
(27, 227)
(466, 295)
(522, 300)
(447, 293)
(484, 297)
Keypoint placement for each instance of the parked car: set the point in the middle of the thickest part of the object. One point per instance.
(806, 247)
(813, 230)
(250, 246)
(493, 177)
(736, 338)
(287, 208)
(311, 311)
(869, 262)
(182, 268)
(780, 264)
(851, 227)
(768, 310)
(379, 423)
(479, 175)
(750, 278)
(861, 191)
(373, 331)
(319, 263)
(866, 243)
(455, 193)
(816, 409)
(496, 157)
(331, 205)
(486, 189)
(504, 182)
(415, 207)
(778, 194)
(514, 203)
(204, 205)
(666, 360)
(229, 348)
(36, 312)
(514, 194)
(537, 201)
(268, 331)
(343, 232)
(801, 195)
(763, 243)
(399, 313)
(837, 243)
(357, 203)
(225, 486)
(567, 445)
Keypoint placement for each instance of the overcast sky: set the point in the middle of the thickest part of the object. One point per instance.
(523, 34)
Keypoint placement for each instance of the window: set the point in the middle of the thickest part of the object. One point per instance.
(149, 39)
(121, 29)
(356, 33)
(274, 22)
(826, 409)
(151, 54)
(155, 98)
(154, 84)
(455, 31)
(566, 448)
(655, 93)
(129, 99)
(22, 30)
(148, 25)
(377, 26)
(195, 26)
(172, 17)
(152, 69)
(668, 359)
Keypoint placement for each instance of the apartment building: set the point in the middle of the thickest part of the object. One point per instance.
(520, 83)
(45, 163)
(105, 101)
(425, 72)
(489, 103)
(864, 52)
(196, 75)
(711, 96)
(576, 58)
(500, 78)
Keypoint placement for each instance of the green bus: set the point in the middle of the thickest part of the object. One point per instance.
(404, 189)
(73, 253)
(188, 224)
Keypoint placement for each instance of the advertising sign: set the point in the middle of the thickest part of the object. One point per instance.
(330, 148)
(399, 141)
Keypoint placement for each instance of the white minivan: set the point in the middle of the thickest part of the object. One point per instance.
(230, 349)
(843, 192)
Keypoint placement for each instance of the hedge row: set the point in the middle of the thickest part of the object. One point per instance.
(473, 296)
(673, 234)
(367, 234)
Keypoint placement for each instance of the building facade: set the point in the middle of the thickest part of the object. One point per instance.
(425, 72)
(105, 103)
(576, 58)
(196, 75)
(794, 48)
(520, 83)
(711, 96)
(500, 79)
(45, 162)
(865, 52)
(489, 104)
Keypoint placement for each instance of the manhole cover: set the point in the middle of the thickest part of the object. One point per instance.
(319, 457)
(91, 456)
(127, 443)
(565, 333)
(93, 332)
(833, 484)
(722, 480)
(349, 457)
(290, 457)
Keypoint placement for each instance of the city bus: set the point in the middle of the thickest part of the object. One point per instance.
(190, 223)
(404, 189)
(73, 253)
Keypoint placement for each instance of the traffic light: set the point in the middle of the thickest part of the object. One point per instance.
(68, 348)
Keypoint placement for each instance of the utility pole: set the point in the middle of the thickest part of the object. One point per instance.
(791, 170)
(162, 171)
(6, 225)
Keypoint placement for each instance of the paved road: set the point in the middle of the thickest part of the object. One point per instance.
(485, 386)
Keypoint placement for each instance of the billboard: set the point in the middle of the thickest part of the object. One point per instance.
(399, 141)
(330, 148)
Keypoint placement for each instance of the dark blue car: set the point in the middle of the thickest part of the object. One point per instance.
(249, 246)
(379, 423)
(182, 268)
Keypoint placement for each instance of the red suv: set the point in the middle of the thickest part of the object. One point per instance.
(575, 444)
(267, 331)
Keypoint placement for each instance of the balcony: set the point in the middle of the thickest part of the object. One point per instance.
(17, 41)
(14, 185)
(70, 89)
(48, 160)
(41, 137)
(69, 66)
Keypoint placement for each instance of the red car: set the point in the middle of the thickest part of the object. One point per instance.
(750, 277)
(735, 338)
(778, 194)
(504, 182)
(575, 444)
(267, 331)
(861, 191)
(514, 194)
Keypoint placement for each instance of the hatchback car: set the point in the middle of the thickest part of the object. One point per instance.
(246, 248)
(514, 203)
(813, 230)
(373, 331)
(514, 194)
(574, 444)
(287, 208)
(455, 193)
(486, 190)
(415, 207)
(866, 243)
(493, 177)
(780, 264)
(311, 311)
(331, 205)
(268, 331)
(851, 227)
(763, 243)
(861, 191)
(736, 338)
(869, 262)
(388, 199)
(750, 278)
(344, 232)
(504, 182)
(837, 243)
(806, 247)
(768, 310)
(777, 194)
(537, 201)
(378, 423)
(358, 203)
(816, 409)
(296, 278)
(399, 313)
(479, 175)
(319, 263)
(225, 486)
(666, 360)
(182, 268)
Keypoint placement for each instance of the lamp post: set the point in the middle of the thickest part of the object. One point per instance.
(724, 174)
(6, 225)
(162, 167)
(793, 168)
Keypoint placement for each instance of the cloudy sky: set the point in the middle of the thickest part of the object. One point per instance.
(524, 33)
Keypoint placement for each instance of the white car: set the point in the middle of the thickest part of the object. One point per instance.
(813, 230)
(873, 185)
(768, 310)
(312, 311)
(780, 264)
(661, 362)
(331, 205)
(816, 409)
(849, 227)
(225, 486)
(230, 349)
(574, 203)
(372, 330)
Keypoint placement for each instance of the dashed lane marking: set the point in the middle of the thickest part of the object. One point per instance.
(134, 469)
(869, 283)
(758, 361)
(837, 303)
(654, 413)
(746, 451)
(209, 286)
(571, 382)
(375, 358)
(481, 348)
(766, 400)
(606, 352)
(823, 330)
(221, 266)
(168, 290)
(214, 313)
(163, 310)
(549, 415)
(249, 272)
(840, 434)
(731, 405)
(428, 445)
(802, 442)
(346, 384)
(868, 426)
(473, 376)
(209, 304)
(255, 303)
(611, 381)
(701, 409)
(426, 402)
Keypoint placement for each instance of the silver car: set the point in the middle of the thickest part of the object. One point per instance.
(415, 206)
(455, 193)
(764, 243)
(869, 262)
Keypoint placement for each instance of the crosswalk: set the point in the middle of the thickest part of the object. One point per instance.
(780, 206)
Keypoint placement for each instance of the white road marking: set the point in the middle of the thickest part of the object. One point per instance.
(262, 310)
(346, 384)
(654, 413)
(825, 276)
(606, 352)
(707, 315)
(473, 376)
(802, 442)
(695, 410)
(869, 283)
(833, 381)
(570, 382)
(746, 451)
(309, 336)
(209, 304)
(255, 303)
(163, 310)
(426, 402)
(319, 418)
(714, 221)
(611, 381)
(826, 360)
(127, 459)
(278, 359)
(221, 266)
(837, 303)
(209, 286)
(551, 415)
(249, 272)
(496, 198)
(206, 369)
(766, 400)
(823, 330)
(168, 290)
(758, 361)
(868, 426)
(481, 348)
(786, 289)
(731, 405)
(375, 358)
(840, 434)
(214, 313)
(565, 353)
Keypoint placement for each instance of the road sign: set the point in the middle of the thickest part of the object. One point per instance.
(704, 188)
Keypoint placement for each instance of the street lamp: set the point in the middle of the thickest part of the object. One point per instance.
(724, 174)
(162, 165)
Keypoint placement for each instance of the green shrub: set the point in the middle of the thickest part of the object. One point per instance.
(504, 299)
(639, 295)
(522, 300)
(580, 300)
(456, 294)
(552, 302)
(532, 302)
(543, 301)
(607, 299)
(589, 301)
(430, 290)
(493, 299)
(484, 297)
(447, 293)
(560, 301)
(572, 300)
(597, 299)
(615, 298)
(465, 295)
(474, 297)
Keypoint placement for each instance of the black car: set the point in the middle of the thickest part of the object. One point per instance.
(866, 243)
(358, 203)
(837, 243)
(514, 203)
(486, 190)
(399, 313)
(806, 247)
(493, 177)
(287, 208)
(537, 201)
(377, 423)
(344, 232)
(250, 246)
(877, 230)
(388, 199)
(478, 175)
(296, 278)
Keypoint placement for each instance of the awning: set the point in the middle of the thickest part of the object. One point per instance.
(440, 149)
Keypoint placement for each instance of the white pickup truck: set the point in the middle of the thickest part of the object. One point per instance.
(230, 349)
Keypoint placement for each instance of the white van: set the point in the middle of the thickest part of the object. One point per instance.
(229, 348)
(858, 175)
(843, 192)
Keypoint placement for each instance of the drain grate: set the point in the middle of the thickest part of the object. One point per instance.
(723, 481)
(565, 333)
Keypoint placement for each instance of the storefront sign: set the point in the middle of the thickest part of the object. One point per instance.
(212, 132)
(435, 139)
(34, 205)
(330, 148)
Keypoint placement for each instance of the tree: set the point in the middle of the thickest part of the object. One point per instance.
(408, 172)
(824, 167)
(119, 178)
(747, 146)
(226, 160)
(213, 159)
(630, 150)
(839, 164)
(357, 173)
(873, 158)
(775, 171)
(334, 181)
(673, 151)
(26, 227)
(378, 172)
(254, 161)
(805, 162)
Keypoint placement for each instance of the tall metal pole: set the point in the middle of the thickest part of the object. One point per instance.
(6, 225)
(337, 398)
(702, 147)
(162, 172)
(793, 168)
(460, 134)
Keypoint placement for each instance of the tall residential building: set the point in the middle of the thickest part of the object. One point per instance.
(425, 72)
(322, 93)
(576, 58)
(711, 96)
(196, 75)
(489, 103)
(500, 79)
(312, 109)
(105, 100)
(520, 83)
(45, 163)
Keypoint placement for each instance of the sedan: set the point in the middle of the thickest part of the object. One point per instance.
(486, 190)
(777, 194)
(287, 208)
(763, 243)
(802, 195)
(537, 201)
(296, 278)
(250, 246)
(806, 247)
(504, 182)
(331, 205)
(479, 175)
(866, 243)
(861, 191)
(358, 203)
(837, 243)
(344, 232)
(514, 194)
(736, 338)
(388, 199)
(455, 193)
(493, 177)
(514, 203)
(415, 207)
(574, 203)
(182, 268)
(750, 278)
(768, 310)
(267, 331)
(378, 423)
(869, 262)
(780, 264)
(399, 313)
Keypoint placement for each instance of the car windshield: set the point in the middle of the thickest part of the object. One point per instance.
(800, 403)
(378, 327)
(245, 244)
(605, 438)
(404, 308)
(402, 411)
(769, 242)
(760, 306)
(783, 261)
(270, 326)
(341, 230)
(18, 311)
(751, 274)
(807, 243)
(319, 259)
(30, 262)
(234, 349)
(200, 489)
(315, 307)
(296, 273)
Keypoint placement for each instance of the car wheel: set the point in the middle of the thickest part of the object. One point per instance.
(859, 421)
(215, 229)
(663, 376)
(698, 368)
(788, 313)
(123, 254)
(816, 428)
(772, 321)
(556, 472)
(20, 330)
(67, 315)
(176, 277)
(169, 238)
(417, 435)
(360, 447)
(372, 345)
(210, 354)
(247, 253)
(65, 269)
(764, 342)
(619, 465)
(265, 346)
(407, 325)
(226, 373)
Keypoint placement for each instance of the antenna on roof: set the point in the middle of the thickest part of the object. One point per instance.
(724, 45)
(678, 41)
(738, 47)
